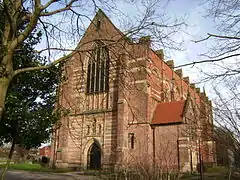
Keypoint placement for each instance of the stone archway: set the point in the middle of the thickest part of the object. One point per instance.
(94, 156)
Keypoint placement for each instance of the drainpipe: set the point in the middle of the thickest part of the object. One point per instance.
(200, 161)
(154, 152)
(191, 160)
(54, 150)
(178, 158)
(178, 150)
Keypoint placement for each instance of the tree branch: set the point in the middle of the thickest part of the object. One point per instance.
(217, 36)
(207, 61)
(224, 37)
(49, 3)
(18, 71)
(31, 25)
(68, 6)
(47, 38)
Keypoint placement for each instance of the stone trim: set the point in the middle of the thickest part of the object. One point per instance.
(183, 138)
(93, 112)
(133, 123)
(139, 81)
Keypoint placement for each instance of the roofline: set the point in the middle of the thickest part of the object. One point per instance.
(175, 73)
(92, 21)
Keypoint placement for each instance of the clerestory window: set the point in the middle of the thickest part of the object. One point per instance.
(131, 140)
(98, 70)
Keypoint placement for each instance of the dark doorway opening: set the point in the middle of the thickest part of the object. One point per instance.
(94, 156)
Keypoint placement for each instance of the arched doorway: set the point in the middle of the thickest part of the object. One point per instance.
(94, 156)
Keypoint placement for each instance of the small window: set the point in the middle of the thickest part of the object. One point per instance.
(88, 130)
(99, 129)
(98, 25)
(94, 126)
(131, 140)
(59, 155)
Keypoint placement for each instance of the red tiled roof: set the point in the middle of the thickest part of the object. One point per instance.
(169, 113)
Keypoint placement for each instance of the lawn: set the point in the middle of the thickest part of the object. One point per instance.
(34, 167)
(2, 160)
(214, 173)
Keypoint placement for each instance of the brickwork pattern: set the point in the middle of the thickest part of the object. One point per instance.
(139, 79)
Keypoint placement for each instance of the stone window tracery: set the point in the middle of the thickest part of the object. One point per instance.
(88, 130)
(99, 129)
(98, 69)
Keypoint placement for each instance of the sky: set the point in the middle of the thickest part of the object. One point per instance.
(198, 25)
(192, 10)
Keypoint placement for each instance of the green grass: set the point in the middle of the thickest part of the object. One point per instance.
(25, 166)
(3, 160)
(35, 167)
(219, 169)
(213, 173)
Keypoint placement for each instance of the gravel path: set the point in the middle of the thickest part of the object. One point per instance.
(25, 175)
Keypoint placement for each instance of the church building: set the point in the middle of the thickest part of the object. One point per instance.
(128, 107)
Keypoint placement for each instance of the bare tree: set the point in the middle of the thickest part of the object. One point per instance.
(220, 65)
(222, 54)
(63, 22)
(226, 110)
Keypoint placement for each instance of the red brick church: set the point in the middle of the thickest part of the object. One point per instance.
(128, 107)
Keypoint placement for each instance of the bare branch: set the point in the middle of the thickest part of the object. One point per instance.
(207, 61)
(16, 72)
(216, 36)
(49, 3)
(68, 7)
(31, 25)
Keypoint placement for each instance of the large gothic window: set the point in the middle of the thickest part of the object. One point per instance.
(98, 70)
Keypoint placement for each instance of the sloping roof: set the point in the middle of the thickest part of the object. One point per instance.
(99, 15)
(169, 113)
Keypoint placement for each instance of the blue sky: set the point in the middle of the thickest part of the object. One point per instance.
(198, 26)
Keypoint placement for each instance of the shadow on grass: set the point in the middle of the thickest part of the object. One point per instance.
(35, 168)
(216, 173)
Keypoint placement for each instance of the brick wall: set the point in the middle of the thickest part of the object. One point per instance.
(139, 79)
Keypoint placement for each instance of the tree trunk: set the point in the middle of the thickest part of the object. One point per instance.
(9, 159)
(4, 83)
